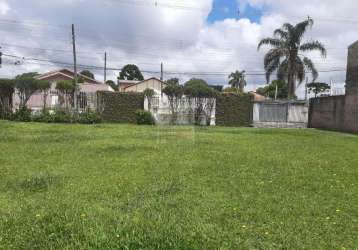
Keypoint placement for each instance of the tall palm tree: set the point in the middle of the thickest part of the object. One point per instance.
(285, 57)
(237, 80)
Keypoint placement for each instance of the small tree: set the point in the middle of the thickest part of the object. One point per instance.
(7, 89)
(270, 90)
(87, 73)
(237, 80)
(44, 87)
(201, 99)
(174, 92)
(26, 85)
(317, 88)
(174, 81)
(66, 91)
(131, 72)
(149, 93)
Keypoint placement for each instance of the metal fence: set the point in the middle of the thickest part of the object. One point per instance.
(280, 114)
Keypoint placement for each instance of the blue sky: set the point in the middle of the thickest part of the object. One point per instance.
(223, 9)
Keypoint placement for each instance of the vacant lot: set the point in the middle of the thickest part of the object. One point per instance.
(130, 187)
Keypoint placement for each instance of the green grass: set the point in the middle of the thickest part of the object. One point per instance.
(130, 187)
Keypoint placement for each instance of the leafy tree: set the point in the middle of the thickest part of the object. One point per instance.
(44, 87)
(149, 93)
(237, 80)
(87, 73)
(7, 89)
(270, 90)
(26, 85)
(174, 81)
(113, 85)
(317, 87)
(286, 58)
(131, 72)
(201, 98)
(218, 88)
(66, 91)
(174, 92)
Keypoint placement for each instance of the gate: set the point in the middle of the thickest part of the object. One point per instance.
(280, 114)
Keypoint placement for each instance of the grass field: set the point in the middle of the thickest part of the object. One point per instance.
(130, 187)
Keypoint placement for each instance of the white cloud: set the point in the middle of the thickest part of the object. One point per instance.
(4, 7)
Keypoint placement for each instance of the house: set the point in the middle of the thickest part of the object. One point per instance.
(88, 87)
(122, 84)
(151, 83)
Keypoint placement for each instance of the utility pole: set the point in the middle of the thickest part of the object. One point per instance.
(161, 72)
(75, 65)
(306, 90)
(105, 67)
(0, 58)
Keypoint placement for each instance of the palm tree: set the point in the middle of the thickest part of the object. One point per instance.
(285, 57)
(237, 80)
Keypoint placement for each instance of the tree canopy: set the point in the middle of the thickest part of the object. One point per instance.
(198, 88)
(286, 55)
(87, 73)
(270, 90)
(237, 80)
(113, 85)
(317, 87)
(174, 81)
(131, 72)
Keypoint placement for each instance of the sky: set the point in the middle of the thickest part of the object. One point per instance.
(204, 38)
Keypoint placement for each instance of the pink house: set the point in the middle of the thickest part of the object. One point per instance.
(89, 87)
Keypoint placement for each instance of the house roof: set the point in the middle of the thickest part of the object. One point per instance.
(152, 78)
(67, 73)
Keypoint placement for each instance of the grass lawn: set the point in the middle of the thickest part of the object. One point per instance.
(130, 187)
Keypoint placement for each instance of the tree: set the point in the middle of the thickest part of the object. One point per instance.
(87, 73)
(237, 80)
(26, 85)
(131, 72)
(285, 56)
(317, 87)
(270, 90)
(174, 81)
(201, 98)
(7, 89)
(174, 92)
(113, 85)
(44, 87)
(66, 91)
(149, 93)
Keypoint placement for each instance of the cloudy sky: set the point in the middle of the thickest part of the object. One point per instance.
(202, 38)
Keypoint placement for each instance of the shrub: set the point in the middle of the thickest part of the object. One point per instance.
(43, 116)
(22, 115)
(89, 117)
(144, 118)
(61, 116)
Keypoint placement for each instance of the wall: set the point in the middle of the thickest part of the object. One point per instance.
(334, 113)
(234, 110)
(119, 107)
(280, 114)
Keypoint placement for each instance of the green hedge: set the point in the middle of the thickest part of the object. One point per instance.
(120, 107)
(234, 110)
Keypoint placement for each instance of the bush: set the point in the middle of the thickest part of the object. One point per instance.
(22, 115)
(62, 117)
(144, 118)
(89, 118)
(43, 116)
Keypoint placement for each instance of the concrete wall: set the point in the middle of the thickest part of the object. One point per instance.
(339, 112)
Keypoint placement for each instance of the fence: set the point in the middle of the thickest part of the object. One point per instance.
(280, 114)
